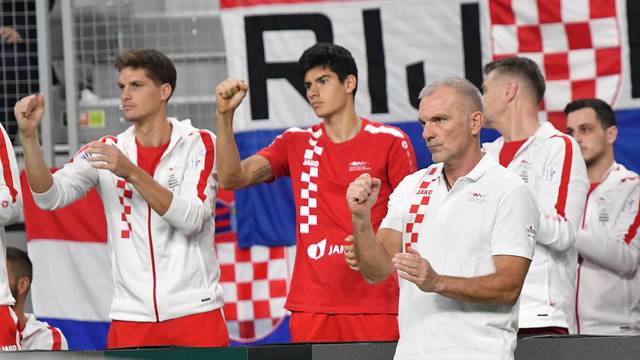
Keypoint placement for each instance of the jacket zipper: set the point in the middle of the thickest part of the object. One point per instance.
(584, 219)
(153, 263)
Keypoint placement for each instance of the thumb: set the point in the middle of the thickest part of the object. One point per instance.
(348, 240)
(413, 251)
(375, 185)
(40, 100)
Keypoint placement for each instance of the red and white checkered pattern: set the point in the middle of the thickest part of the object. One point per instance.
(576, 43)
(255, 283)
(418, 209)
(308, 186)
(125, 196)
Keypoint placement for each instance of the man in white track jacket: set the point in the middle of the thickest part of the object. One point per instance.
(551, 165)
(34, 334)
(608, 283)
(157, 184)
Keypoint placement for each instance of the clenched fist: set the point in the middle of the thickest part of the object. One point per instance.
(29, 111)
(229, 95)
(362, 194)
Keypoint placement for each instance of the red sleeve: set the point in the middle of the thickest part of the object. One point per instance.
(276, 154)
(401, 161)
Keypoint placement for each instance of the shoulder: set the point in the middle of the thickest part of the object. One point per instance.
(503, 180)
(411, 181)
(622, 178)
(555, 140)
(374, 128)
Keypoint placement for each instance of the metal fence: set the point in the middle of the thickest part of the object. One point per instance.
(83, 38)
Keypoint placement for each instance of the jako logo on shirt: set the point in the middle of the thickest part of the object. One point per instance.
(316, 251)
(359, 166)
(310, 162)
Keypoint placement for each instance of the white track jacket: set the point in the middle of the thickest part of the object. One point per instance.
(164, 267)
(551, 165)
(10, 207)
(608, 299)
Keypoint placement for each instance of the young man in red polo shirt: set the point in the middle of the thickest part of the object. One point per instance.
(328, 301)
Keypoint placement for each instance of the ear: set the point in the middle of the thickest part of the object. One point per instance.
(476, 121)
(511, 90)
(612, 134)
(165, 91)
(23, 285)
(350, 83)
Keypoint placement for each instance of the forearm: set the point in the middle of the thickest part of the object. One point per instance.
(157, 196)
(487, 289)
(373, 260)
(556, 232)
(612, 254)
(38, 173)
(231, 173)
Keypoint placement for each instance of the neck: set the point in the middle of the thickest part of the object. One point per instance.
(461, 167)
(342, 126)
(18, 308)
(519, 122)
(597, 169)
(153, 133)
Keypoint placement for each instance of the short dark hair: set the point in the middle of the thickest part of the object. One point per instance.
(20, 262)
(332, 56)
(604, 112)
(521, 67)
(157, 65)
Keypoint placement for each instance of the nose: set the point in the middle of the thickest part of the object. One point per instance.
(125, 93)
(427, 132)
(312, 92)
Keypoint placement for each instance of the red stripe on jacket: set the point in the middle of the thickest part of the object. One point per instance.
(57, 339)
(207, 140)
(6, 167)
(563, 190)
(633, 229)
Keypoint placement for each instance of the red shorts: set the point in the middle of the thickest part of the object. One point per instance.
(549, 330)
(316, 327)
(206, 329)
(9, 335)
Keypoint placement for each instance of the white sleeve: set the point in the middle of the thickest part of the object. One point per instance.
(192, 205)
(563, 191)
(617, 251)
(70, 183)
(10, 192)
(516, 224)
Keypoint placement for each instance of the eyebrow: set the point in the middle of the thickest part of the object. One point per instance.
(318, 78)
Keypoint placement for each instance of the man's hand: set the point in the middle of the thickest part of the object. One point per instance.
(229, 95)
(413, 267)
(350, 254)
(9, 35)
(362, 194)
(106, 156)
(29, 111)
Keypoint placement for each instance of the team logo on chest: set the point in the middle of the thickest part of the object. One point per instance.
(359, 165)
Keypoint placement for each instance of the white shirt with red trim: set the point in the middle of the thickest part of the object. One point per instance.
(10, 207)
(163, 267)
(320, 172)
(487, 212)
(608, 300)
(551, 165)
(38, 335)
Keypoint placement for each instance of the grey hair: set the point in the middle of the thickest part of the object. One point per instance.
(470, 93)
